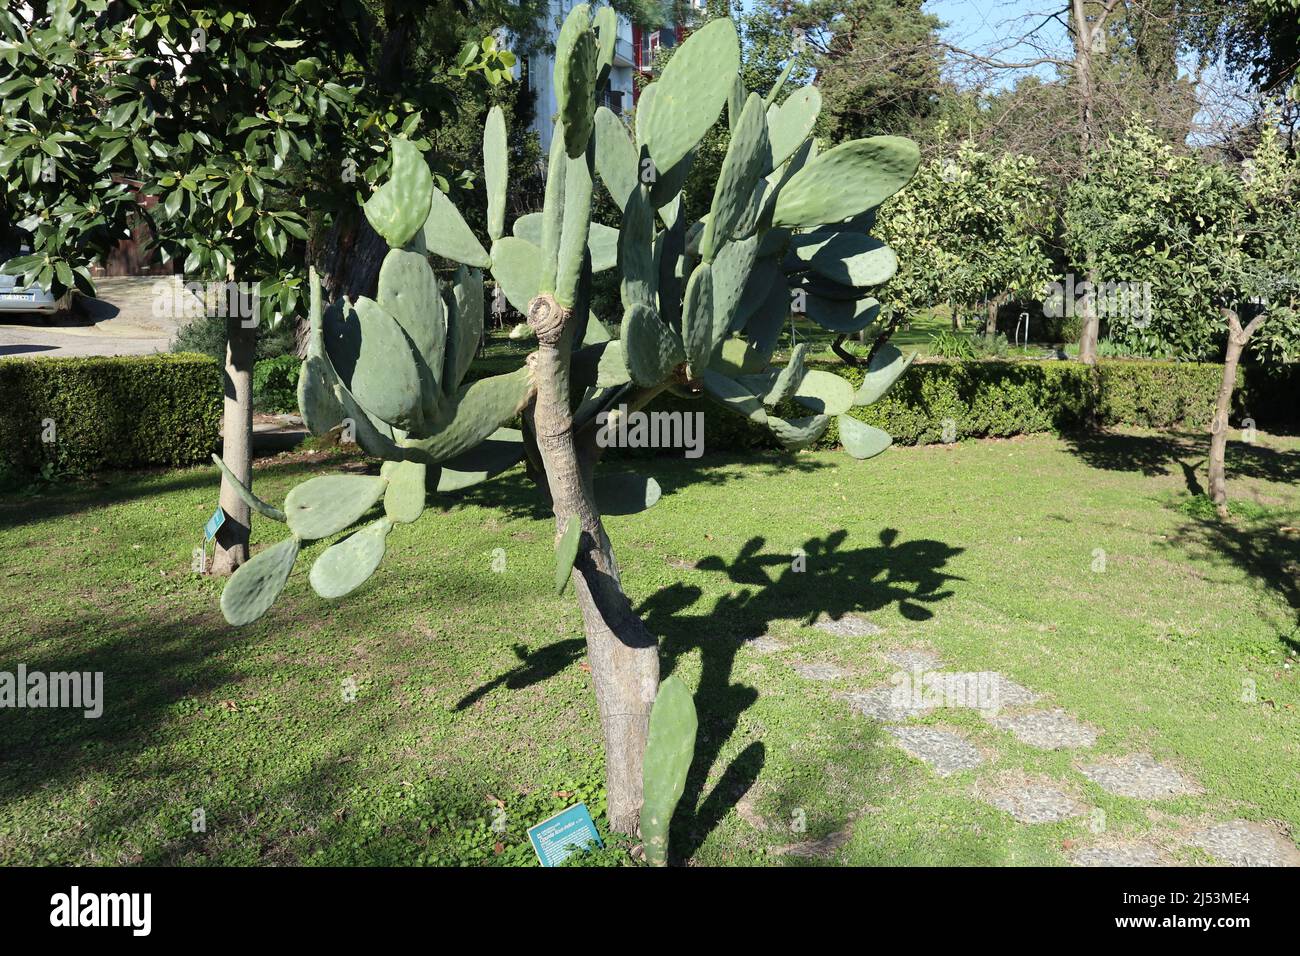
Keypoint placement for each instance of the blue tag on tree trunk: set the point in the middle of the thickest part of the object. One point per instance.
(559, 837)
(214, 523)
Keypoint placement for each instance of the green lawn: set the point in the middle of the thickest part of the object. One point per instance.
(472, 705)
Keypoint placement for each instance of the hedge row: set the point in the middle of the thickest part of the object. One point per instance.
(125, 412)
(998, 399)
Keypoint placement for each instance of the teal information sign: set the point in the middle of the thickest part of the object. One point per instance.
(216, 521)
(559, 837)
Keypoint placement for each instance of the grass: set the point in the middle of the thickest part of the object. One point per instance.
(473, 715)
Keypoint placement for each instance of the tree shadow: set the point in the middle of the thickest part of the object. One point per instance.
(534, 667)
(1156, 455)
(1267, 549)
(836, 582)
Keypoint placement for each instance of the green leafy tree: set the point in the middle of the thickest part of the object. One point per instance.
(702, 306)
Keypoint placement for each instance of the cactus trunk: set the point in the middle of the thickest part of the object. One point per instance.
(623, 656)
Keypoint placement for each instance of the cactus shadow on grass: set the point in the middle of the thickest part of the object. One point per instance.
(838, 581)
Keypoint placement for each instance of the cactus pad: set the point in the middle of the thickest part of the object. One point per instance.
(650, 349)
(495, 171)
(250, 499)
(398, 208)
(566, 552)
(404, 497)
(345, 566)
(860, 439)
(847, 180)
(824, 392)
(883, 371)
(320, 507)
(447, 235)
(256, 583)
(670, 748)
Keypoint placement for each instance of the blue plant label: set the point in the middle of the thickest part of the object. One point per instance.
(559, 837)
(214, 523)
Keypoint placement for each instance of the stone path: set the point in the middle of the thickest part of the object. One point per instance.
(921, 686)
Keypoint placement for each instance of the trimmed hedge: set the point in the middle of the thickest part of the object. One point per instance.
(123, 412)
(997, 399)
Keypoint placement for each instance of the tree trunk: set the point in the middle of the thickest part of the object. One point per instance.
(1238, 338)
(1091, 330)
(622, 654)
(991, 326)
(236, 446)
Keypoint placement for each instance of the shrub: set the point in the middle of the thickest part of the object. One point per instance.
(206, 335)
(125, 412)
(275, 384)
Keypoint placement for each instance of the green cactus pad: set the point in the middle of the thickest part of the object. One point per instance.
(748, 159)
(860, 439)
(317, 402)
(849, 258)
(616, 156)
(573, 236)
(322, 506)
(566, 552)
(842, 315)
(502, 450)
(602, 243)
(636, 252)
(650, 349)
(599, 365)
(496, 167)
(697, 317)
(372, 356)
(605, 23)
(775, 91)
(884, 369)
(408, 291)
(517, 267)
(670, 748)
(789, 379)
(761, 276)
(690, 93)
(733, 396)
(737, 358)
(404, 498)
(824, 392)
(847, 180)
(447, 235)
(398, 208)
(250, 499)
(730, 273)
(464, 327)
(345, 566)
(798, 433)
(575, 79)
(789, 124)
(668, 186)
(256, 583)
(478, 409)
(626, 494)
(763, 328)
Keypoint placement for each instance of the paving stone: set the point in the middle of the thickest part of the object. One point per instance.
(986, 691)
(823, 847)
(1125, 854)
(1141, 776)
(883, 703)
(765, 644)
(944, 751)
(912, 659)
(850, 625)
(819, 671)
(1047, 729)
(1037, 803)
(1242, 843)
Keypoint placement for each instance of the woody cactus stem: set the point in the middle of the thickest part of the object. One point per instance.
(623, 656)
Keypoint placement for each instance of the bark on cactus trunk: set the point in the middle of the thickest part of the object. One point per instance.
(231, 546)
(622, 654)
(1238, 339)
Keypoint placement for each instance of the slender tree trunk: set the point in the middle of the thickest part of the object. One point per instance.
(1238, 338)
(991, 326)
(622, 654)
(1091, 330)
(236, 446)
(1085, 35)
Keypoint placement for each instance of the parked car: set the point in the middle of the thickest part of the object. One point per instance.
(19, 298)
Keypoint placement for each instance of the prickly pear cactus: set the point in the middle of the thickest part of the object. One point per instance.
(703, 305)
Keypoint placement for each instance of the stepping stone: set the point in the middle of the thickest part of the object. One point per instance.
(1242, 843)
(1127, 854)
(1141, 776)
(944, 751)
(914, 659)
(986, 691)
(765, 644)
(819, 671)
(850, 625)
(1037, 803)
(883, 703)
(1048, 730)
